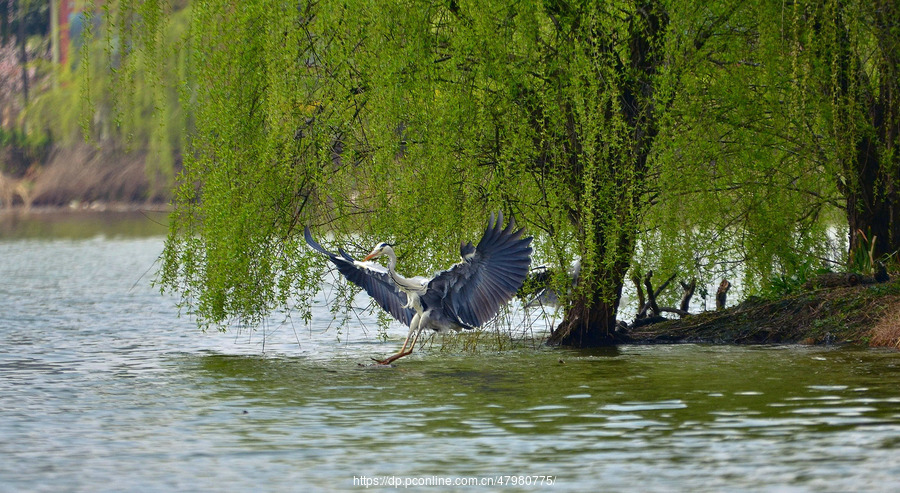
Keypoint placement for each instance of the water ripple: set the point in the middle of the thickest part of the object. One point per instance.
(646, 406)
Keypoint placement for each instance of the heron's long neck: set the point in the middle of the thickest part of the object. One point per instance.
(392, 261)
(404, 283)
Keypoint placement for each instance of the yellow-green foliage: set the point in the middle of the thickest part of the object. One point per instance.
(671, 133)
(744, 189)
(760, 158)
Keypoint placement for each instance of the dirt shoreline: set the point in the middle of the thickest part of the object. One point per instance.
(866, 315)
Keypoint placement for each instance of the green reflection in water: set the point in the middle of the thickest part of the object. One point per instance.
(656, 390)
(73, 224)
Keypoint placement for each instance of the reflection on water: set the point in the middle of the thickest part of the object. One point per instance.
(104, 388)
(81, 224)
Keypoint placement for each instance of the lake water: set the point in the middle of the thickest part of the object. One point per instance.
(104, 388)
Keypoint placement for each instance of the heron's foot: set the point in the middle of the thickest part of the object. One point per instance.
(391, 359)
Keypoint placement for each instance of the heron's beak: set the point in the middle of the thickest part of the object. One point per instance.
(370, 256)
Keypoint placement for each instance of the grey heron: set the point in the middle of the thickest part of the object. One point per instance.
(465, 296)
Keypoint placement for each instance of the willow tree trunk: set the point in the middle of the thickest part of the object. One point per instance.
(873, 193)
(873, 204)
(591, 318)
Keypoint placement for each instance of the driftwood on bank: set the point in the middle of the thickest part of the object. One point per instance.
(688, 294)
(636, 279)
(649, 310)
(652, 306)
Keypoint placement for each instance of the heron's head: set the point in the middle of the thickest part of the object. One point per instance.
(379, 250)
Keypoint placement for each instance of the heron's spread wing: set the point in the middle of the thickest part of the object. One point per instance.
(373, 278)
(475, 289)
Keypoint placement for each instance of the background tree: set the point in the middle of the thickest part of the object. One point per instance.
(119, 91)
(740, 188)
(782, 132)
(847, 63)
(23, 23)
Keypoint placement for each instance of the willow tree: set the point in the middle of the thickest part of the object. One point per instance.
(410, 121)
(548, 111)
(596, 115)
(784, 128)
(787, 126)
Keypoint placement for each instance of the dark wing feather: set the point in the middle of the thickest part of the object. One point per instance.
(371, 277)
(473, 291)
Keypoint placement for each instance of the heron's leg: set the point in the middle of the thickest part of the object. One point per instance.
(413, 329)
(402, 351)
(407, 341)
(415, 339)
